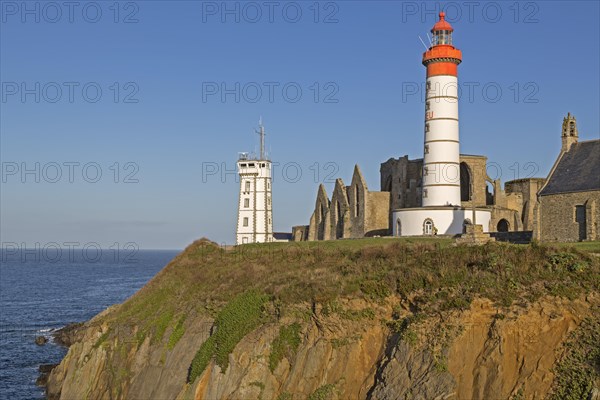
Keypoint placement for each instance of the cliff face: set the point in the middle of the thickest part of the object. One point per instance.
(352, 347)
(345, 358)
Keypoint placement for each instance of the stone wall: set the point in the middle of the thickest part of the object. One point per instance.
(528, 189)
(339, 213)
(559, 219)
(402, 179)
(300, 233)
(377, 214)
(319, 226)
(512, 218)
(353, 212)
(476, 181)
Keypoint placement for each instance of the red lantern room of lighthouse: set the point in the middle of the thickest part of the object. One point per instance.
(441, 169)
(442, 58)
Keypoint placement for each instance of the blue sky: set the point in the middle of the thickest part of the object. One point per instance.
(162, 122)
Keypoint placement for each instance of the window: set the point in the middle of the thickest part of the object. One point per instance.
(503, 226)
(581, 220)
(442, 37)
(357, 200)
(251, 165)
(427, 106)
(424, 193)
(247, 186)
(268, 200)
(268, 185)
(426, 127)
(245, 221)
(246, 203)
(465, 182)
(262, 165)
(426, 149)
(425, 171)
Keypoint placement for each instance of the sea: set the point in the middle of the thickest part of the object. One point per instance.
(42, 290)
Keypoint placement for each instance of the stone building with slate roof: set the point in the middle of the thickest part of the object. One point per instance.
(567, 208)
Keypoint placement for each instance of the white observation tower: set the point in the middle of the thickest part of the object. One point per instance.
(255, 211)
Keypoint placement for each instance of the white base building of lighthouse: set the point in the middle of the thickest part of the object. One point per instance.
(437, 220)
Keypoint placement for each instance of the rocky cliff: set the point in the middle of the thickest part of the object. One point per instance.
(376, 320)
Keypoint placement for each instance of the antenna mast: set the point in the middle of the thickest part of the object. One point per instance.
(261, 133)
(424, 45)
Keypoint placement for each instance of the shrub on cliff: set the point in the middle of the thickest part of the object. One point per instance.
(239, 317)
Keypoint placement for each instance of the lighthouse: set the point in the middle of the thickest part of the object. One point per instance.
(255, 210)
(441, 165)
(441, 211)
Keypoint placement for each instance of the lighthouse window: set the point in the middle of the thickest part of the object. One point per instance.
(426, 127)
(427, 106)
(426, 149)
(245, 221)
(251, 165)
(424, 193)
(247, 186)
(246, 203)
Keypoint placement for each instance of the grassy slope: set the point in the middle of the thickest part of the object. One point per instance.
(205, 278)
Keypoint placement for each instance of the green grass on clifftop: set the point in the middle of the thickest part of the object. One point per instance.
(205, 277)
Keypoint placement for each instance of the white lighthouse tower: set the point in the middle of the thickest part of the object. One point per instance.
(441, 165)
(441, 210)
(255, 212)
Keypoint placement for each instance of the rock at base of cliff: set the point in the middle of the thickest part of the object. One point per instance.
(68, 335)
(44, 370)
(41, 340)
